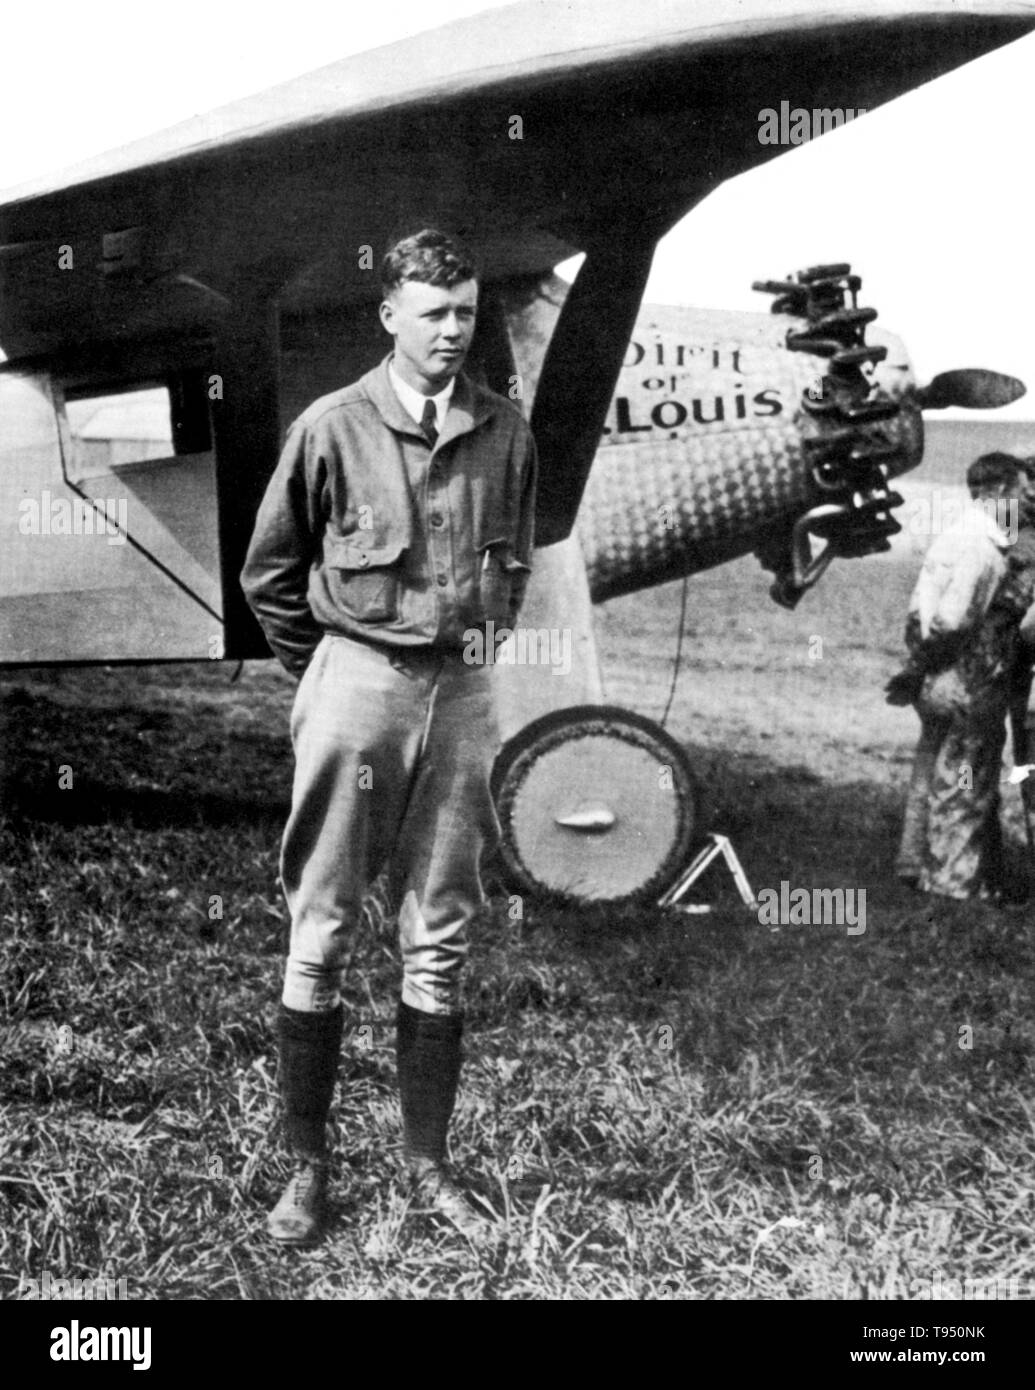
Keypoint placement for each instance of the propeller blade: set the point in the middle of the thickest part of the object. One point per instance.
(973, 388)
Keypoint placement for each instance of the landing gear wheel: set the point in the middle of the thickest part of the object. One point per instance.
(597, 805)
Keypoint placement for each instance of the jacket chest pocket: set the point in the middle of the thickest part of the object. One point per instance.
(364, 577)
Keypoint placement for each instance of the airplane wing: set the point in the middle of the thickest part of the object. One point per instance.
(534, 131)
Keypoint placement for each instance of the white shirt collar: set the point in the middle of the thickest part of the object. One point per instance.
(413, 402)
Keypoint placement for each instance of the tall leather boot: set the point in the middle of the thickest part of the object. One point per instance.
(428, 1055)
(310, 1047)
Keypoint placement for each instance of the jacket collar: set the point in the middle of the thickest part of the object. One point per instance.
(469, 407)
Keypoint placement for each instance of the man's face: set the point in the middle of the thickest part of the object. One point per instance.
(1011, 492)
(432, 327)
(996, 492)
(1005, 503)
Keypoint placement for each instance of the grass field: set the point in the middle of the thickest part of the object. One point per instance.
(661, 1105)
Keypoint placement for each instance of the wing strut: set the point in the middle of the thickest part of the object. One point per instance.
(580, 373)
(247, 431)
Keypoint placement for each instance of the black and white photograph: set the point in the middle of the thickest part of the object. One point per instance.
(517, 629)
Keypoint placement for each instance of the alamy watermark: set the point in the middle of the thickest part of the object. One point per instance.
(938, 1287)
(817, 907)
(46, 1287)
(954, 513)
(78, 516)
(80, 1342)
(797, 125)
(519, 646)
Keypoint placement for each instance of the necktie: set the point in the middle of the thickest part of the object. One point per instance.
(429, 422)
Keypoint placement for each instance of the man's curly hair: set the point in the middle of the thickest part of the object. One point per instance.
(429, 256)
(994, 470)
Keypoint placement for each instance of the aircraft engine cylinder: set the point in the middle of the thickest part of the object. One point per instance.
(705, 451)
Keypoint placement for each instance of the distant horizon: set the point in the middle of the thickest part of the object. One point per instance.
(950, 445)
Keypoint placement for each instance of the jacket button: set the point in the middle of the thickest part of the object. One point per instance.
(362, 559)
(436, 518)
(443, 580)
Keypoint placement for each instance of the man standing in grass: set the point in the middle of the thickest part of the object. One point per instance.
(399, 517)
(977, 582)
